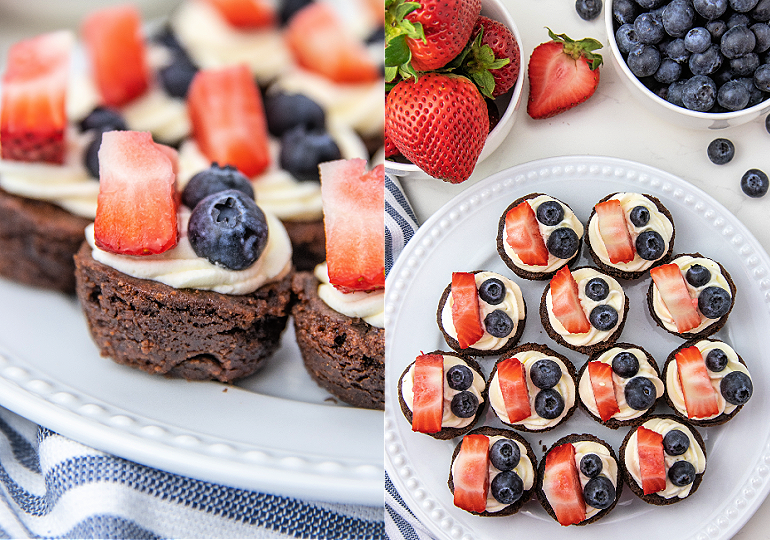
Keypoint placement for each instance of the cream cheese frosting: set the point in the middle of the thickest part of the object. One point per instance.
(524, 469)
(609, 467)
(369, 306)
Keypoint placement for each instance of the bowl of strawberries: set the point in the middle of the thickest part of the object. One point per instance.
(454, 80)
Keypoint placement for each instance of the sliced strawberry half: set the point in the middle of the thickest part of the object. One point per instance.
(228, 119)
(470, 473)
(115, 45)
(136, 212)
(512, 376)
(246, 14)
(354, 220)
(676, 297)
(561, 485)
(321, 43)
(32, 113)
(465, 309)
(652, 466)
(604, 389)
(428, 391)
(566, 303)
(700, 398)
(523, 235)
(614, 231)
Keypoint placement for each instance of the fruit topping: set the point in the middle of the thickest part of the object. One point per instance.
(286, 111)
(720, 151)
(545, 373)
(650, 245)
(697, 275)
(492, 291)
(115, 46)
(303, 150)
(566, 303)
(483, 67)
(464, 404)
(32, 112)
(652, 466)
(459, 377)
(213, 180)
(511, 374)
(676, 442)
(177, 76)
(562, 74)
(428, 391)
(228, 120)
(699, 395)
(591, 465)
(103, 119)
(640, 393)
(505, 454)
(588, 10)
(754, 183)
(470, 473)
(136, 211)
(716, 360)
(498, 324)
(523, 235)
(714, 302)
(550, 213)
(563, 243)
(603, 317)
(604, 390)
(353, 201)
(507, 487)
(625, 364)
(682, 473)
(549, 404)
(561, 485)
(614, 231)
(465, 309)
(597, 289)
(736, 387)
(246, 14)
(675, 296)
(599, 492)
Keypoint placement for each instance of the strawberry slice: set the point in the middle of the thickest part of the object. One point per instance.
(228, 119)
(115, 46)
(136, 212)
(673, 291)
(700, 398)
(322, 44)
(465, 309)
(353, 201)
(566, 303)
(614, 231)
(652, 466)
(561, 485)
(246, 14)
(428, 391)
(32, 113)
(512, 376)
(470, 473)
(604, 389)
(523, 235)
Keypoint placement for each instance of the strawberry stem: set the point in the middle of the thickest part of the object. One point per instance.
(398, 56)
(576, 49)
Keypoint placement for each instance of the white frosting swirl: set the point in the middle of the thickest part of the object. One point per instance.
(181, 268)
(565, 387)
(694, 455)
(524, 469)
(609, 467)
(658, 222)
(369, 306)
(674, 386)
(162, 115)
(585, 390)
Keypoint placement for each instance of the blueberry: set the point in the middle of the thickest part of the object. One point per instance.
(288, 8)
(639, 216)
(563, 243)
(168, 39)
(464, 404)
(710, 9)
(650, 245)
(717, 29)
(651, 4)
(744, 66)
(459, 377)
(505, 454)
(706, 63)
(507, 487)
(733, 96)
(743, 6)
(643, 60)
(762, 11)
(498, 323)
(640, 393)
(767, 123)
(756, 94)
(603, 317)
(681, 473)
(716, 360)
(754, 183)
(597, 289)
(720, 151)
(599, 492)
(762, 77)
(736, 387)
(625, 364)
(668, 71)
(91, 155)
(762, 33)
(549, 404)
(649, 30)
(303, 150)
(492, 291)
(697, 39)
(737, 18)
(714, 302)
(674, 94)
(625, 11)
(699, 93)
(737, 41)
(286, 111)
(550, 213)
(675, 50)
(103, 119)
(588, 10)
(376, 36)
(228, 229)
(678, 17)
(591, 465)
(676, 442)
(697, 275)
(625, 35)
(545, 373)
(213, 180)
(177, 76)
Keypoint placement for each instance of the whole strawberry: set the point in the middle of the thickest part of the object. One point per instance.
(563, 73)
(503, 46)
(438, 122)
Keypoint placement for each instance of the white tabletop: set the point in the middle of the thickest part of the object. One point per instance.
(614, 123)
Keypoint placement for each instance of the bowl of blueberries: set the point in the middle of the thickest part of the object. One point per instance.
(702, 64)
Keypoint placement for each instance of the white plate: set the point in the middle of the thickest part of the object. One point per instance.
(276, 431)
(461, 237)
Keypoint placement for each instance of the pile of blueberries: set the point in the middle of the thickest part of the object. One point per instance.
(704, 55)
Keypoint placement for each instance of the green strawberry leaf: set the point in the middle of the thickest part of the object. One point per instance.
(397, 52)
(582, 48)
(476, 62)
(390, 73)
(485, 82)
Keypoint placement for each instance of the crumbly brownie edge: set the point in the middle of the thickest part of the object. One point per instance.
(308, 243)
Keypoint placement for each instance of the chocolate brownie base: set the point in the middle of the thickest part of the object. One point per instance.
(189, 333)
(526, 495)
(308, 243)
(344, 355)
(37, 242)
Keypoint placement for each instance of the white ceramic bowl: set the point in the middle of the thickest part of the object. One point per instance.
(508, 102)
(677, 115)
